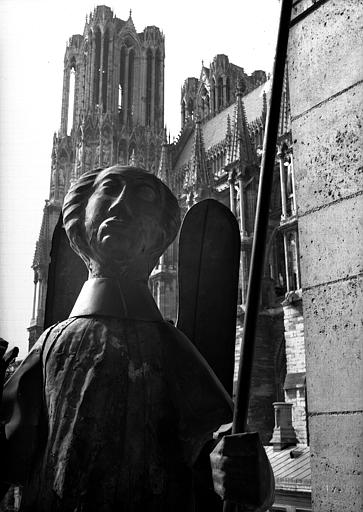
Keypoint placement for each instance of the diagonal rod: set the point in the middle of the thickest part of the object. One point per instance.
(242, 398)
(261, 223)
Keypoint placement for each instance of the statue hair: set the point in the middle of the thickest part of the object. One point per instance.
(76, 200)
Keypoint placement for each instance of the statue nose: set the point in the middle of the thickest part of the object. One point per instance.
(120, 203)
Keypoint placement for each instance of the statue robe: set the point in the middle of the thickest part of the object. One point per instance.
(126, 405)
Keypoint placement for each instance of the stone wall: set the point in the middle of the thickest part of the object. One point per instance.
(326, 91)
(294, 385)
(263, 380)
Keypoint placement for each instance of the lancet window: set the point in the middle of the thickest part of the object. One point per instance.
(148, 85)
(71, 97)
(121, 83)
(130, 85)
(156, 83)
(105, 70)
(97, 67)
(287, 183)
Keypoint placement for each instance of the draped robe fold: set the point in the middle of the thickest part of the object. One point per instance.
(122, 406)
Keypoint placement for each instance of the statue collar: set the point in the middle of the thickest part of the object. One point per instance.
(109, 297)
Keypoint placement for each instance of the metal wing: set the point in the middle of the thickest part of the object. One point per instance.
(66, 276)
(209, 256)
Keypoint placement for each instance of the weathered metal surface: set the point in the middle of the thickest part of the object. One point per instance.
(209, 254)
(66, 275)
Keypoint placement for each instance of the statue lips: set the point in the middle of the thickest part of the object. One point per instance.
(113, 225)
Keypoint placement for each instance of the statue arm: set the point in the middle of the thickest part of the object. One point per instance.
(21, 418)
(6, 358)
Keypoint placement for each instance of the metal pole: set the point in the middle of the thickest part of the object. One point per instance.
(260, 230)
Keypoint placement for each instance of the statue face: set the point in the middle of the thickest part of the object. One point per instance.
(122, 217)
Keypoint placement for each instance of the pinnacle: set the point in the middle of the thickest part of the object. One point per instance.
(198, 174)
(163, 171)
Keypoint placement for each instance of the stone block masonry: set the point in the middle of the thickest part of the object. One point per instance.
(326, 93)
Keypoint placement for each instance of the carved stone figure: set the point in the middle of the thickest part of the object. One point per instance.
(113, 407)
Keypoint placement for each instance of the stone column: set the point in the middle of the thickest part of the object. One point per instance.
(242, 212)
(294, 207)
(282, 185)
(35, 297)
(232, 192)
(326, 91)
(287, 274)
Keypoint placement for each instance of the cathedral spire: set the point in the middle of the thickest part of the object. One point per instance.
(133, 160)
(242, 148)
(163, 171)
(198, 178)
(129, 23)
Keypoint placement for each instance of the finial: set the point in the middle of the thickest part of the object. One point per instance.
(130, 13)
(132, 160)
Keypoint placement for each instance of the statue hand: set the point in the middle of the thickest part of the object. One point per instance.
(6, 358)
(242, 472)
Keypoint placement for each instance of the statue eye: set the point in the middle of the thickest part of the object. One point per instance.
(146, 193)
(108, 186)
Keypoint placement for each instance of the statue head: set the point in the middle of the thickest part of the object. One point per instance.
(120, 220)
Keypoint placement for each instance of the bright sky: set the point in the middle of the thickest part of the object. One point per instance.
(33, 36)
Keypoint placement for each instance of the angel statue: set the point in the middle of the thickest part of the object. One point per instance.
(114, 407)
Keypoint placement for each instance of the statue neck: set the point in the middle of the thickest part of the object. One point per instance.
(136, 271)
(120, 298)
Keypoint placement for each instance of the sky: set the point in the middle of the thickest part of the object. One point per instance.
(33, 37)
